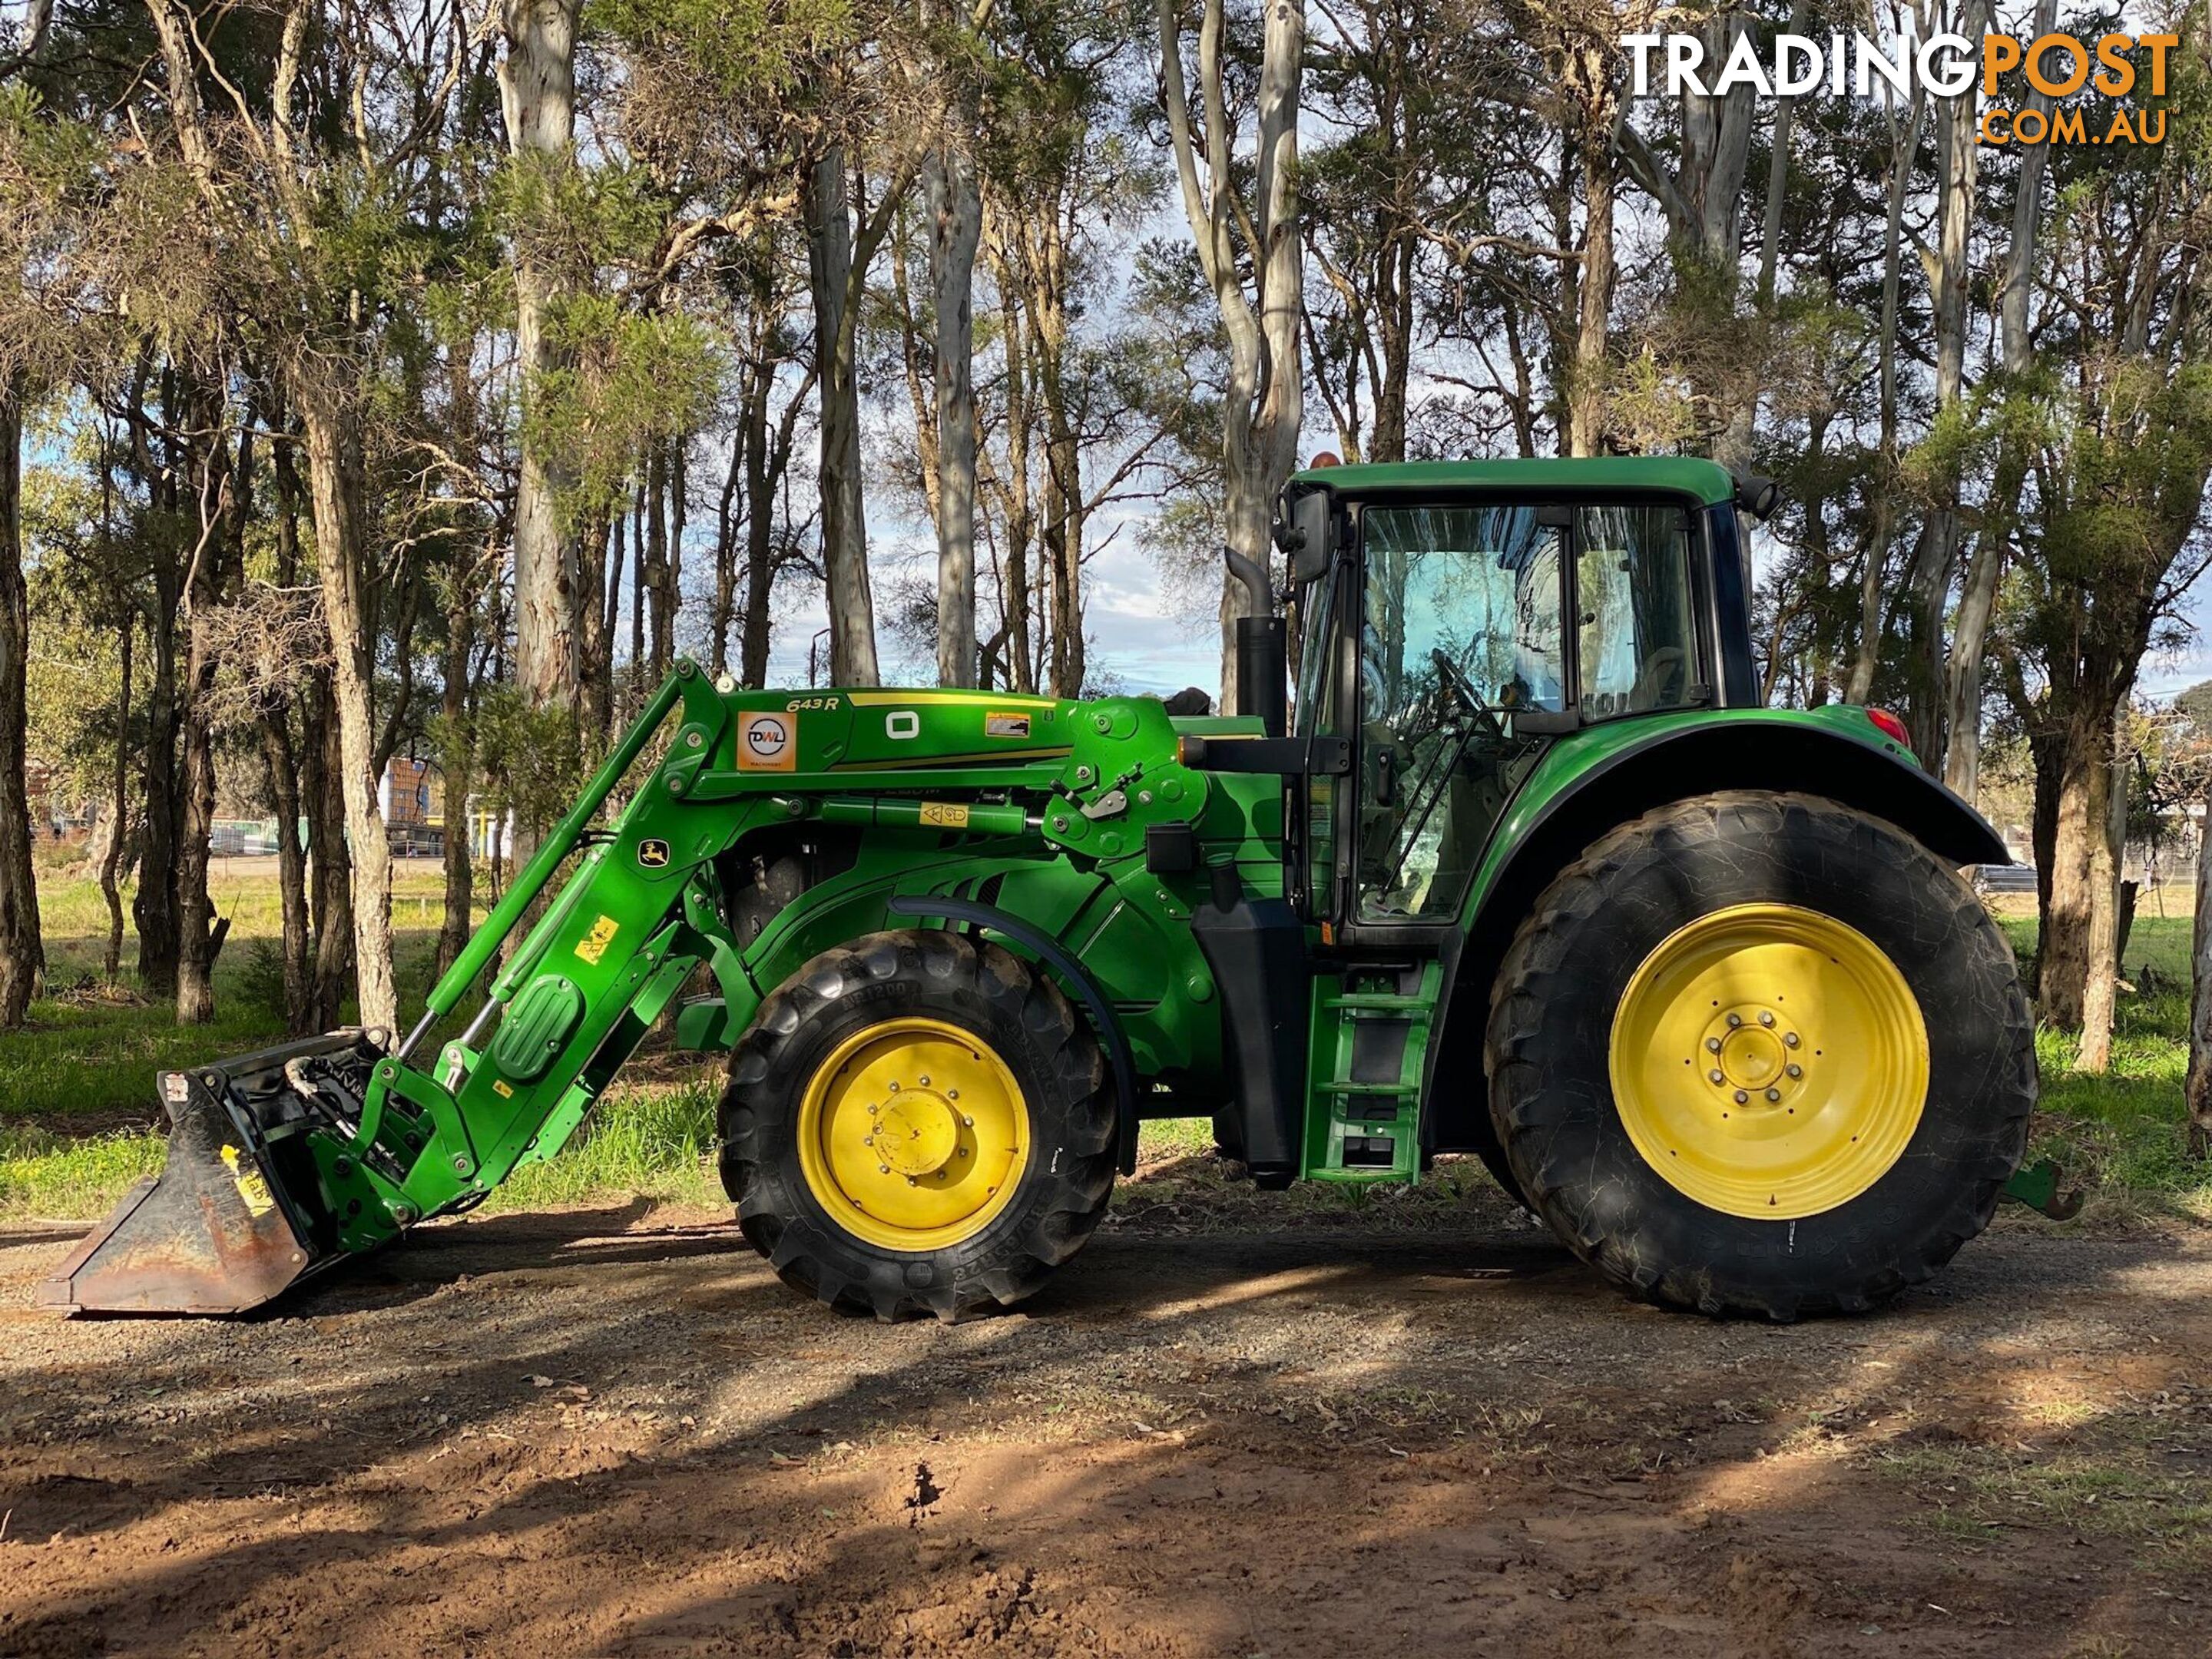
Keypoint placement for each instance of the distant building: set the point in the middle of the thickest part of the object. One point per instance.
(410, 792)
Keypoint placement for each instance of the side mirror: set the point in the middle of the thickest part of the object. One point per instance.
(1756, 495)
(1302, 532)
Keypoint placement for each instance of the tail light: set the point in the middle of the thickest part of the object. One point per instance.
(1891, 727)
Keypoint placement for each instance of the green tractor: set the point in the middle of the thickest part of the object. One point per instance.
(1525, 870)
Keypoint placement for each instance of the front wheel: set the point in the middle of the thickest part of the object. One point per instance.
(917, 1123)
(1761, 1054)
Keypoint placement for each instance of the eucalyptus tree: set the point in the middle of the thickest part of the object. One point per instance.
(1244, 226)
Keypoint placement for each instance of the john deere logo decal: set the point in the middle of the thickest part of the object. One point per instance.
(765, 743)
(653, 855)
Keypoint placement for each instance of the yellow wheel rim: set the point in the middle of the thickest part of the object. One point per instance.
(1769, 1061)
(913, 1134)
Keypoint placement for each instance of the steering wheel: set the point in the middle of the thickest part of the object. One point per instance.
(1462, 690)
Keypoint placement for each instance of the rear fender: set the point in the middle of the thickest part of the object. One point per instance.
(1605, 776)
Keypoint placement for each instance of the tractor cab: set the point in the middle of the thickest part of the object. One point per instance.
(1455, 620)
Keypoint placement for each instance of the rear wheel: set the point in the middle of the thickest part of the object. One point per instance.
(1761, 1054)
(917, 1122)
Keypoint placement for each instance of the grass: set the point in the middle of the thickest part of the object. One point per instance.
(2125, 1475)
(91, 1048)
(2122, 1136)
(78, 1122)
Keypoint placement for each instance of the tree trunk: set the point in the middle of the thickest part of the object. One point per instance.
(1021, 524)
(457, 762)
(654, 583)
(2105, 852)
(154, 906)
(1045, 269)
(537, 96)
(1957, 150)
(22, 950)
(722, 617)
(760, 554)
(223, 508)
(1586, 385)
(1962, 759)
(844, 524)
(114, 857)
(281, 770)
(2197, 1090)
(1264, 397)
(955, 221)
(2083, 773)
(1867, 656)
(330, 871)
(337, 484)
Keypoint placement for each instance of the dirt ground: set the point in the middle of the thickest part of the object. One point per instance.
(610, 1431)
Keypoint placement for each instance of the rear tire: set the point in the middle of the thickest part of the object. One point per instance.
(1854, 1175)
(855, 1033)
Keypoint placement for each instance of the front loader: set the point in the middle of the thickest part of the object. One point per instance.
(1524, 870)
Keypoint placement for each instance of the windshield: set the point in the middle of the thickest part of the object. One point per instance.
(1479, 584)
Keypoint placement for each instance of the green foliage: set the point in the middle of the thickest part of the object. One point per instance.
(735, 48)
(533, 758)
(632, 377)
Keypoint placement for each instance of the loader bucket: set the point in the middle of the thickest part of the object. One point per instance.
(216, 1232)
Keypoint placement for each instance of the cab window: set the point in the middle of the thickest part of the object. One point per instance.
(1635, 642)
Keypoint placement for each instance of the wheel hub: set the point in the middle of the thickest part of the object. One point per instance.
(913, 1134)
(1769, 1061)
(1751, 1049)
(916, 1133)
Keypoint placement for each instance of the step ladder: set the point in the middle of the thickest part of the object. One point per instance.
(1371, 1030)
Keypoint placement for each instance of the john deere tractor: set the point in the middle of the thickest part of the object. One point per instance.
(1524, 870)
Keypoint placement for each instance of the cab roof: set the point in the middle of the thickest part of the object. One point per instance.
(1675, 474)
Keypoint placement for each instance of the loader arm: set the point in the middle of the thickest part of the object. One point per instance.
(921, 805)
(284, 1163)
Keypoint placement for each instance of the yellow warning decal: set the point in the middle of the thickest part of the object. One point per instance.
(945, 814)
(251, 1184)
(1006, 726)
(594, 944)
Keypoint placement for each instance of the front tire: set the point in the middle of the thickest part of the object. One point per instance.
(917, 1123)
(1763, 1055)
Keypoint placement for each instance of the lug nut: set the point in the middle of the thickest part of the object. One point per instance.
(1740, 1097)
(1774, 1094)
(894, 1088)
(963, 1152)
(1715, 1076)
(867, 1141)
(924, 1081)
(1734, 1020)
(967, 1122)
(1713, 1044)
(1790, 1041)
(1795, 1069)
(883, 1169)
(1766, 1017)
(952, 1094)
